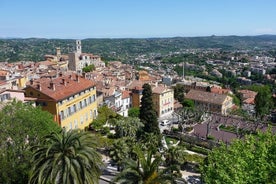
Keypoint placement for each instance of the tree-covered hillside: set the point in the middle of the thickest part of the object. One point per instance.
(124, 49)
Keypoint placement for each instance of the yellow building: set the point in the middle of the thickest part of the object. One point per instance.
(71, 99)
(163, 100)
(162, 97)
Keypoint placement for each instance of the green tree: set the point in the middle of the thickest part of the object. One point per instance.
(88, 68)
(251, 160)
(134, 112)
(174, 158)
(21, 126)
(263, 102)
(128, 127)
(175, 155)
(105, 115)
(179, 92)
(187, 103)
(69, 157)
(119, 151)
(147, 113)
(144, 169)
(151, 141)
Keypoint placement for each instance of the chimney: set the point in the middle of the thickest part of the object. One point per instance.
(64, 82)
(52, 86)
(38, 87)
(31, 81)
(77, 78)
(60, 74)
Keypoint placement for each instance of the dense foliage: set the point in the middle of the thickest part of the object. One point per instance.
(88, 68)
(21, 127)
(144, 168)
(252, 160)
(134, 112)
(263, 102)
(68, 157)
(123, 49)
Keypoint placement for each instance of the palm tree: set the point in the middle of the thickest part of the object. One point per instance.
(144, 170)
(174, 158)
(67, 157)
(119, 152)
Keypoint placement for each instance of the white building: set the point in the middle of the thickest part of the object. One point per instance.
(79, 60)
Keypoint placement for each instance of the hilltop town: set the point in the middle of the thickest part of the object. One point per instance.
(205, 96)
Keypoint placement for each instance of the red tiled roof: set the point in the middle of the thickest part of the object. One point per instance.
(136, 83)
(64, 86)
(249, 101)
(219, 90)
(125, 94)
(158, 89)
(207, 97)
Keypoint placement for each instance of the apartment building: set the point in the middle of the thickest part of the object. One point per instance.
(8, 80)
(120, 102)
(71, 99)
(163, 100)
(207, 101)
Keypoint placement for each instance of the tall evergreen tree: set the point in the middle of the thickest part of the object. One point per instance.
(147, 113)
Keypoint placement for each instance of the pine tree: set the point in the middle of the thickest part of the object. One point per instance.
(147, 113)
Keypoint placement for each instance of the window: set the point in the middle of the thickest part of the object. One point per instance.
(86, 116)
(62, 115)
(95, 112)
(69, 111)
(72, 109)
(76, 123)
(81, 119)
(85, 102)
(91, 114)
(5, 97)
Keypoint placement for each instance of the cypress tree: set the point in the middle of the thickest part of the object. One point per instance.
(147, 113)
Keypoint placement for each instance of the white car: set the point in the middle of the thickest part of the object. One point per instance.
(165, 122)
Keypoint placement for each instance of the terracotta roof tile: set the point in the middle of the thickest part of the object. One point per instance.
(206, 97)
(125, 94)
(159, 89)
(64, 86)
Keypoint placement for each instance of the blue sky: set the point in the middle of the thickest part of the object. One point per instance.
(135, 18)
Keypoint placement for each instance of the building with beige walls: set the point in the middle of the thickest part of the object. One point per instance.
(71, 99)
(78, 60)
(163, 100)
(207, 101)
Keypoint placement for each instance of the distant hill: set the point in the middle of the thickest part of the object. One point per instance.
(16, 49)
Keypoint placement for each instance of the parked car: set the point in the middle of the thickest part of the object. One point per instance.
(165, 122)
